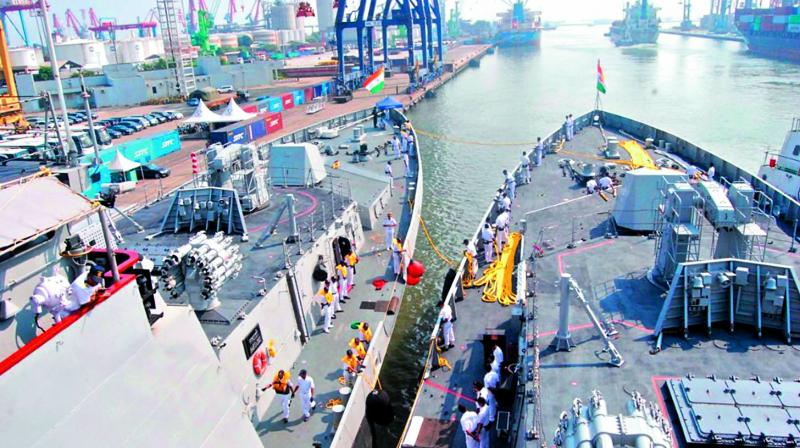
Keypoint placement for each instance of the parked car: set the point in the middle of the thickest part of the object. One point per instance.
(113, 133)
(160, 118)
(153, 171)
(225, 89)
(122, 129)
(141, 120)
(174, 113)
(242, 95)
(136, 125)
(193, 102)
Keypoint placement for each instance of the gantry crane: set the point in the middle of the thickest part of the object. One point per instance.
(365, 17)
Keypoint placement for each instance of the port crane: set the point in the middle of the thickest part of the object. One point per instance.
(366, 18)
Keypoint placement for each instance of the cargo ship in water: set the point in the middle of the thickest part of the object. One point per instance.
(639, 26)
(771, 32)
(647, 296)
(519, 27)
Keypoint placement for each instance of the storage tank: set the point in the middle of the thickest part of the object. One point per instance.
(24, 59)
(265, 37)
(228, 40)
(325, 15)
(283, 16)
(90, 54)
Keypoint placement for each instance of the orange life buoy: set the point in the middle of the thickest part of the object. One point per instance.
(259, 362)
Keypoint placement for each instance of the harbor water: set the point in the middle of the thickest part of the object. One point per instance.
(711, 93)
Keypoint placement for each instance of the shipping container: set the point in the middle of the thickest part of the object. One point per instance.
(263, 105)
(308, 93)
(288, 101)
(784, 10)
(780, 19)
(298, 97)
(745, 19)
(793, 28)
(794, 19)
(234, 133)
(274, 122)
(275, 104)
(258, 128)
(252, 108)
(766, 19)
(317, 90)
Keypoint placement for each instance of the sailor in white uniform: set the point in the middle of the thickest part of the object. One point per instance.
(337, 298)
(501, 224)
(305, 385)
(389, 226)
(51, 295)
(487, 237)
(539, 151)
(497, 352)
(83, 289)
(526, 168)
(396, 147)
(387, 170)
(491, 379)
(485, 421)
(446, 319)
(469, 424)
(407, 166)
(486, 394)
(511, 184)
(469, 247)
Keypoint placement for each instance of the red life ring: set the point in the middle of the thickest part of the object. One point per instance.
(259, 362)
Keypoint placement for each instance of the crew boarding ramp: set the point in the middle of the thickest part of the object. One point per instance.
(731, 291)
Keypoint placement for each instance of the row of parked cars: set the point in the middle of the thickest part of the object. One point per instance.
(72, 118)
(119, 126)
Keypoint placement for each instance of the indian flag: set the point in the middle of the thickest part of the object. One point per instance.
(375, 82)
(601, 79)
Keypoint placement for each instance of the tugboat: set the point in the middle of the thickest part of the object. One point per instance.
(640, 25)
(519, 27)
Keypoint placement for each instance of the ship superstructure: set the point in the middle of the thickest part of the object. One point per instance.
(519, 26)
(639, 26)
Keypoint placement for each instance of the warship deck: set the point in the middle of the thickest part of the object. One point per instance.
(573, 227)
(350, 184)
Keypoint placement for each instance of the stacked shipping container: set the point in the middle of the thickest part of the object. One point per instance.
(249, 130)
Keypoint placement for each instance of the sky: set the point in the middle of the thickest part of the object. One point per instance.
(127, 11)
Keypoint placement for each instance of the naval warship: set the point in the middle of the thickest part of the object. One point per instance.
(654, 307)
(639, 26)
(206, 294)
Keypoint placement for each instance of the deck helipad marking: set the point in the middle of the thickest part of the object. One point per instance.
(560, 257)
(662, 404)
(449, 391)
(307, 211)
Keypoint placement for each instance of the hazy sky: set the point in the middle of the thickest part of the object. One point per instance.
(126, 11)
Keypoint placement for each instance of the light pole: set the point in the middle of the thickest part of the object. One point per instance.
(70, 151)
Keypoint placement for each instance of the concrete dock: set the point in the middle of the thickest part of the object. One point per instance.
(293, 120)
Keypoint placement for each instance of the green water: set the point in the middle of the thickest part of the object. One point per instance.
(710, 93)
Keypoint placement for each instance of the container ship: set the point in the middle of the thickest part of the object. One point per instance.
(519, 27)
(772, 32)
(647, 297)
(639, 26)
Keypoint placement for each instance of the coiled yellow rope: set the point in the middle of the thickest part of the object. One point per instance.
(497, 279)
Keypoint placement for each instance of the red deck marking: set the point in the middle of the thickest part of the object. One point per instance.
(662, 404)
(306, 211)
(449, 391)
(783, 252)
(560, 257)
(624, 323)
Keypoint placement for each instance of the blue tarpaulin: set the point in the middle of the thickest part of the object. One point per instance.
(389, 103)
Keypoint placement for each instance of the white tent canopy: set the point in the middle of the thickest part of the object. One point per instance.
(235, 113)
(202, 114)
(122, 163)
